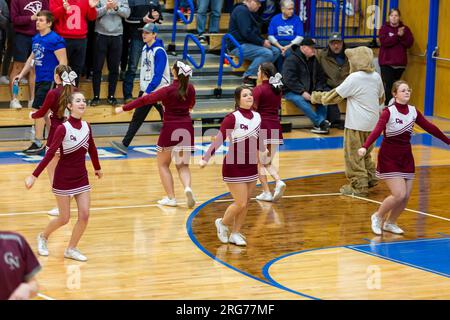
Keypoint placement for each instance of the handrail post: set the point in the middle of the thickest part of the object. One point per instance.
(223, 55)
(177, 14)
(187, 57)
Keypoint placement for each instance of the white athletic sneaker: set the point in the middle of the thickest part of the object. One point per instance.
(30, 103)
(23, 81)
(237, 239)
(189, 197)
(222, 231)
(392, 227)
(279, 190)
(54, 212)
(168, 202)
(376, 224)
(15, 104)
(74, 254)
(42, 245)
(264, 196)
(4, 80)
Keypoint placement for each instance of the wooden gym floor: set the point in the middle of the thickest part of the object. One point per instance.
(313, 244)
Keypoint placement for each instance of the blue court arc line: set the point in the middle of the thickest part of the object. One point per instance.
(265, 270)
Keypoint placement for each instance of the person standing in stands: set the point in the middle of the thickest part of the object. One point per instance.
(71, 23)
(23, 17)
(108, 45)
(214, 18)
(48, 51)
(155, 74)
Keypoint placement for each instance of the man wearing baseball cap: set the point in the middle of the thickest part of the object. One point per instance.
(302, 74)
(335, 64)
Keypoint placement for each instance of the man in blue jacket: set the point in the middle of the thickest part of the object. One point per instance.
(245, 28)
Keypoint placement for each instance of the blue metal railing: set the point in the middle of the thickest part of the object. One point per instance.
(223, 56)
(178, 14)
(188, 57)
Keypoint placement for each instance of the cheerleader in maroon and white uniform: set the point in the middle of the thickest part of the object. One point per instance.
(73, 139)
(395, 159)
(240, 165)
(177, 133)
(56, 101)
(267, 101)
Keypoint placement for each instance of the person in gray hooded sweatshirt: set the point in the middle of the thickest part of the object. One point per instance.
(108, 45)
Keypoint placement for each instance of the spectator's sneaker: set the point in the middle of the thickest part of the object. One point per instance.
(392, 227)
(279, 190)
(73, 253)
(34, 149)
(376, 224)
(319, 130)
(30, 103)
(248, 81)
(15, 104)
(4, 80)
(222, 231)
(119, 147)
(23, 81)
(265, 196)
(202, 39)
(189, 197)
(325, 124)
(237, 239)
(42, 245)
(168, 202)
(112, 101)
(54, 212)
(95, 102)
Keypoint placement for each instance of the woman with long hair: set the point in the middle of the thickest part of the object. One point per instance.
(267, 102)
(240, 165)
(73, 139)
(395, 159)
(56, 101)
(177, 133)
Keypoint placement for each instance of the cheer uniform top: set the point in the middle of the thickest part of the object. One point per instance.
(73, 139)
(241, 161)
(177, 131)
(395, 158)
(268, 104)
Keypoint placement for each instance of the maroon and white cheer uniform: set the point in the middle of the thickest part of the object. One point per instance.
(267, 103)
(395, 158)
(241, 161)
(177, 131)
(73, 139)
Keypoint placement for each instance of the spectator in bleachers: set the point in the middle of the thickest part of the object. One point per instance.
(395, 39)
(214, 18)
(4, 26)
(23, 17)
(141, 13)
(6, 56)
(48, 50)
(71, 23)
(108, 44)
(245, 28)
(302, 74)
(335, 64)
(155, 74)
(285, 30)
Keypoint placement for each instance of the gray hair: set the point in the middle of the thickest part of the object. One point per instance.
(286, 3)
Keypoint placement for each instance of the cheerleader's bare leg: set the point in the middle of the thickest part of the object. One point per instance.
(62, 219)
(398, 188)
(182, 164)
(239, 192)
(396, 211)
(83, 203)
(240, 218)
(164, 159)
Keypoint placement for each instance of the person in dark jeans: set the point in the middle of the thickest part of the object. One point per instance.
(108, 44)
(141, 12)
(155, 74)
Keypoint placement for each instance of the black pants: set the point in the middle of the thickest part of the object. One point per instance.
(125, 45)
(90, 53)
(389, 76)
(139, 116)
(111, 48)
(333, 114)
(76, 54)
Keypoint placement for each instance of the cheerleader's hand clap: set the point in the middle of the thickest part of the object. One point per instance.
(119, 109)
(29, 181)
(202, 164)
(362, 152)
(99, 173)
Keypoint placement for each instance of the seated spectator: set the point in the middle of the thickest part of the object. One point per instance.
(285, 30)
(302, 74)
(214, 18)
(108, 45)
(336, 67)
(245, 29)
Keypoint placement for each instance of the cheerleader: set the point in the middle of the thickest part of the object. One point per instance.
(395, 159)
(177, 133)
(240, 165)
(73, 139)
(267, 101)
(56, 101)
